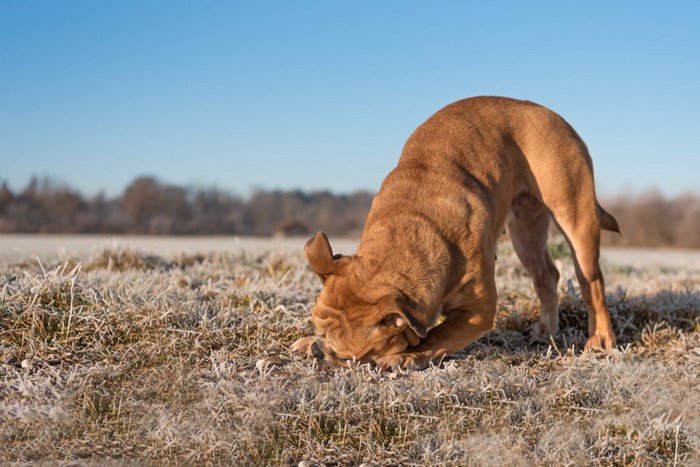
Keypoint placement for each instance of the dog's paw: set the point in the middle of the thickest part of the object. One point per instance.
(543, 329)
(406, 361)
(309, 346)
(599, 342)
(539, 329)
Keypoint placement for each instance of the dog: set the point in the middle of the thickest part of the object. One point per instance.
(421, 285)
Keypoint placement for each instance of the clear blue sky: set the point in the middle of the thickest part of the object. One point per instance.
(322, 95)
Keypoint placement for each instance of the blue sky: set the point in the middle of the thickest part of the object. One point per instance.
(323, 95)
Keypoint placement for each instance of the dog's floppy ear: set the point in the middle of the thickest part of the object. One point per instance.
(319, 254)
(395, 313)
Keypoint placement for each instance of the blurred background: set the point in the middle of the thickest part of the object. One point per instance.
(282, 118)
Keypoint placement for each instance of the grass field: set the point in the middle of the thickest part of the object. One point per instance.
(176, 352)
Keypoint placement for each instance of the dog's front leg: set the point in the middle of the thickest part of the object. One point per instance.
(461, 327)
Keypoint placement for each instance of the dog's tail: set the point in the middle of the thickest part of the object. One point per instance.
(607, 221)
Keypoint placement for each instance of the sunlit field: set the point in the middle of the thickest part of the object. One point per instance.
(171, 350)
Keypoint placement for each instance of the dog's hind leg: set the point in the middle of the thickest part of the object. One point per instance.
(579, 222)
(528, 223)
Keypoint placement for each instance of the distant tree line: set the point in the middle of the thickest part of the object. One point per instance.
(148, 206)
(652, 220)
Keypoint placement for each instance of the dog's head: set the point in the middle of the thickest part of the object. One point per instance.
(355, 317)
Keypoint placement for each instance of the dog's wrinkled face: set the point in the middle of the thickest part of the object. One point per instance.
(354, 320)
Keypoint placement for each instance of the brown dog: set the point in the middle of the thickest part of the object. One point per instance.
(427, 253)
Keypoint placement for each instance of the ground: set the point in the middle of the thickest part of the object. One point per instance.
(177, 351)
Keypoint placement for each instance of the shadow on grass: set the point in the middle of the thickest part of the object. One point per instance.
(641, 320)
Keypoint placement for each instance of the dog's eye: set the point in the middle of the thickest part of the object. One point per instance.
(392, 321)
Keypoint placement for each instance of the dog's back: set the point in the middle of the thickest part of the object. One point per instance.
(500, 146)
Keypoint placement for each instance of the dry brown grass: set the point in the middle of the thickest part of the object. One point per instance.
(128, 358)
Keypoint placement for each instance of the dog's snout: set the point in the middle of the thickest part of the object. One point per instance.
(316, 350)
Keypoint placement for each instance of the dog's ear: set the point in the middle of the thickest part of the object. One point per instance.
(319, 254)
(395, 313)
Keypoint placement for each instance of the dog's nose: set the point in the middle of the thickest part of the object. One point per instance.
(316, 350)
